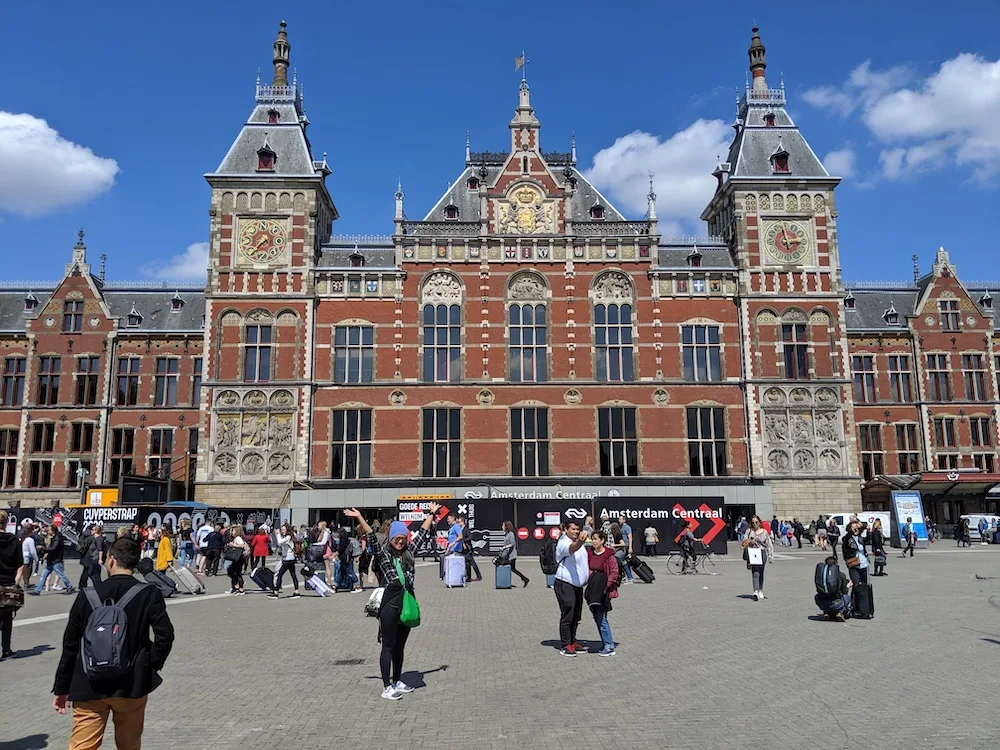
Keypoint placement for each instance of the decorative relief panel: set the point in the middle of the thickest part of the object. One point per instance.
(525, 211)
(254, 434)
(526, 286)
(442, 287)
(802, 431)
(613, 286)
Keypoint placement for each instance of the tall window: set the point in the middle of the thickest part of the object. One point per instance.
(975, 377)
(527, 329)
(352, 444)
(613, 342)
(442, 443)
(128, 381)
(87, 372)
(985, 462)
(13, 381)
(863, 371)
(74, 475)
(701, 353)
(949, 314)
(122, 453)
(40, 474)
(48, 380)
(944, 432)
(907, 448)
(81, 437)
(166, 381)
(196, 381)
(872, 457)
(442, 343)
(8, 458)
(354, 354)
(937, 375)
(161, 448)
(947, 461)
(192, 453)
(706, 441)
(257, 354)
(795, 348)
(529, 442)
(73, 316)
(981, 430)
(43, 437)
(899, 379)
(617, 441)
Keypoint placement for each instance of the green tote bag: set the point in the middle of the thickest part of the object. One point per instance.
(409, 615)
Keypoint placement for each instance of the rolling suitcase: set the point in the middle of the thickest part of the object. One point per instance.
(144, 566)
(264, 578)
(454, 571)
(166, 585)
(550, 580)
(864, 601)
(503, 576)
(318, 585)
(188, 580)
(641, 569)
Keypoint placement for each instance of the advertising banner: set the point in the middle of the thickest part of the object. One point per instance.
(155, 516)
(538, 520)
(666, 515)
(905, 505)
(486, 519)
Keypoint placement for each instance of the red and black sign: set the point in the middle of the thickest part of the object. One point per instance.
(537, 521)
(667, 516)
(486, 519)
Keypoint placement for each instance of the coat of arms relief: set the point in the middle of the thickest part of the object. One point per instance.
(525, 211)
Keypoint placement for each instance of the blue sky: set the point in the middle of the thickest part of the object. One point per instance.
(112, 112)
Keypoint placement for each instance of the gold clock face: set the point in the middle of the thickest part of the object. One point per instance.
(786, 242)
(262, 240)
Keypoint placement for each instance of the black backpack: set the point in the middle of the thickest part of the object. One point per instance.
(827, 581)
(104, 644)
(547, 559)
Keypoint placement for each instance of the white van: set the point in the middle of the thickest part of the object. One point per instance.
(868, 516)
(974, 525)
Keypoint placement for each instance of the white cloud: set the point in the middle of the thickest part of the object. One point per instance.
(42, 171)
(191, 265)
(840, 163)
(946, 119)
(682, 166)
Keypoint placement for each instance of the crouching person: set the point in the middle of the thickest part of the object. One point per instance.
(833, 590)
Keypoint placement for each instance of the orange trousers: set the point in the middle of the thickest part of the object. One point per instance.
(90, 719)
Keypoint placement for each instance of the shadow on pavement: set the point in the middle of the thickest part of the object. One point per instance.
(29, 652)
(34, 742)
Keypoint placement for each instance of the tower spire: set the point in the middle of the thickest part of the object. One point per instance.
(651, 200)
(281, 50)
(758, 60)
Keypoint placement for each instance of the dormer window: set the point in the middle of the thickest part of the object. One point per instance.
(694, 259)
(30, 302)
(597, 213)
(769, 120)
(451, 213)
(133, 319)
(781, 163)
(265, 158)
(986, 301)
(273, 116)
(524, 164)
(473, 183)
(357, 260)
(849, 301)
(176, 303)
(890, 316)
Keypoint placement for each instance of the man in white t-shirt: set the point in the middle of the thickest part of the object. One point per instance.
(201, 544)
(571, 577)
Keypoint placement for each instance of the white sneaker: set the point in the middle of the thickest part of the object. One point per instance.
(390, 694)
(756, 596)
(761, 595)
(402, 687)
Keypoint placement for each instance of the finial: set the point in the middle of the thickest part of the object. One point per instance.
(782, 77)
(79, 238)
(295, 76)
(468, 146)
(758, 59)
(258, 75)
(572, 146)
(281, 55)
(651, 200)
(104, 261)
(399, 187)
(916, 268)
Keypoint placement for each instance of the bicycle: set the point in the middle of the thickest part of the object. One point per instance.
(704, 562)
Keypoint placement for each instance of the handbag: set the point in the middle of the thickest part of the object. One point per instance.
(11, 598)
(233, 554)
(327, 552)
(502, 559)
(409, 615)
(755, 556)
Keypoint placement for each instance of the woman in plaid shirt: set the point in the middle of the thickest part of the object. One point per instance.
(392, 633)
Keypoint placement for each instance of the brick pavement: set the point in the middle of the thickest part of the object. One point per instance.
(696, 667)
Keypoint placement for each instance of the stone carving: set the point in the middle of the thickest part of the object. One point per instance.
(792, 204)
(397, 398)
(803, 460)
(778, 202)
(774, 397)
(765, 202)
(279, 463)
(826, 396)
(801, 427)
(225, 463)
(778, 460)
(819, 204)
(525, 212)
(793, 315)
(282, 399)
(819, 318)
(254, 430)
(800, 396)
(613, 286)
(485, 397)
(827, 429)
(252, 464)
(526, 286)
(806, 204)
(442, 287)
(259, 315)
(573, 396)
(829, 460)
(228, 399)
(255, 399)
(750, 203)
(776, 428)
(766, 318)
(660, 396)
(229, 431)
(280, 432)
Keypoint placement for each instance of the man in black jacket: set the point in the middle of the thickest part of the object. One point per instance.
(470, 561)
(54, 562)
(92, 558)
(11, 562)
(213, 551)
(836, 603)
(123, 697)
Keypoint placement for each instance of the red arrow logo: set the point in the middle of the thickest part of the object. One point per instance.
(682, 512)
(717, 525)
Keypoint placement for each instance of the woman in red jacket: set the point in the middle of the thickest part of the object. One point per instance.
(602, 587)
(259, 548)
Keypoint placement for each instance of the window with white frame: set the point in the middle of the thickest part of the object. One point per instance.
(900, 389)
(981, 430)
(974, 375)
(354, 354)
(863, 374)
(527, 339)
(907, 448)
(351, 447)
(701, 353)
(161, 448)
(529, 442)
(613, 342)
(618, 442)
(938, 379)
(872, 456)
(442, 333)
(441, 433)
(949, 315)
(706, 441)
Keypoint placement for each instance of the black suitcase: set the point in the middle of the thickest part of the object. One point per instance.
(864, 601)
(163, 582)
(264, 578)
(144, 566)
(641, 569)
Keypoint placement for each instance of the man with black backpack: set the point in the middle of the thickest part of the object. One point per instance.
(109, 665)
(832, 590)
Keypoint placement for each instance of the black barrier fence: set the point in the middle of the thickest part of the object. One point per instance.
(537, 520)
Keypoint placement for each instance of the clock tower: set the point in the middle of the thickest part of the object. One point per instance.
(774, 204)
(270, 214)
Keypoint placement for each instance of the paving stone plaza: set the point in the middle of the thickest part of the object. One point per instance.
(699, 665)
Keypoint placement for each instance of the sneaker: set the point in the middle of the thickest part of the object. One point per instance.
(568, 651)
(358, 591)
(70, 590)
(761, 595)
(578, 647)
(606, 652)
(273, 596)
(402, 687)
(756, 596)
(33, 593)
(296, 595)
(390, 694)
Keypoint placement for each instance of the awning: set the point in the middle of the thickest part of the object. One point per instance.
(939, 483)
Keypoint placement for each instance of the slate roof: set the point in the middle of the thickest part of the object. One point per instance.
(870, 306)
(676, 256)
(337, 254)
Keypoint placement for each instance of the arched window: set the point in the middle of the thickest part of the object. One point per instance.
(442, 326)
(528, 323)
(613, 342)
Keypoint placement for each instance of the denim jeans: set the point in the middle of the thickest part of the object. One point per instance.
(603, 627)
(757, 574)
(345, 576)
(621, 561)
(186, 557)
(56, 568)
